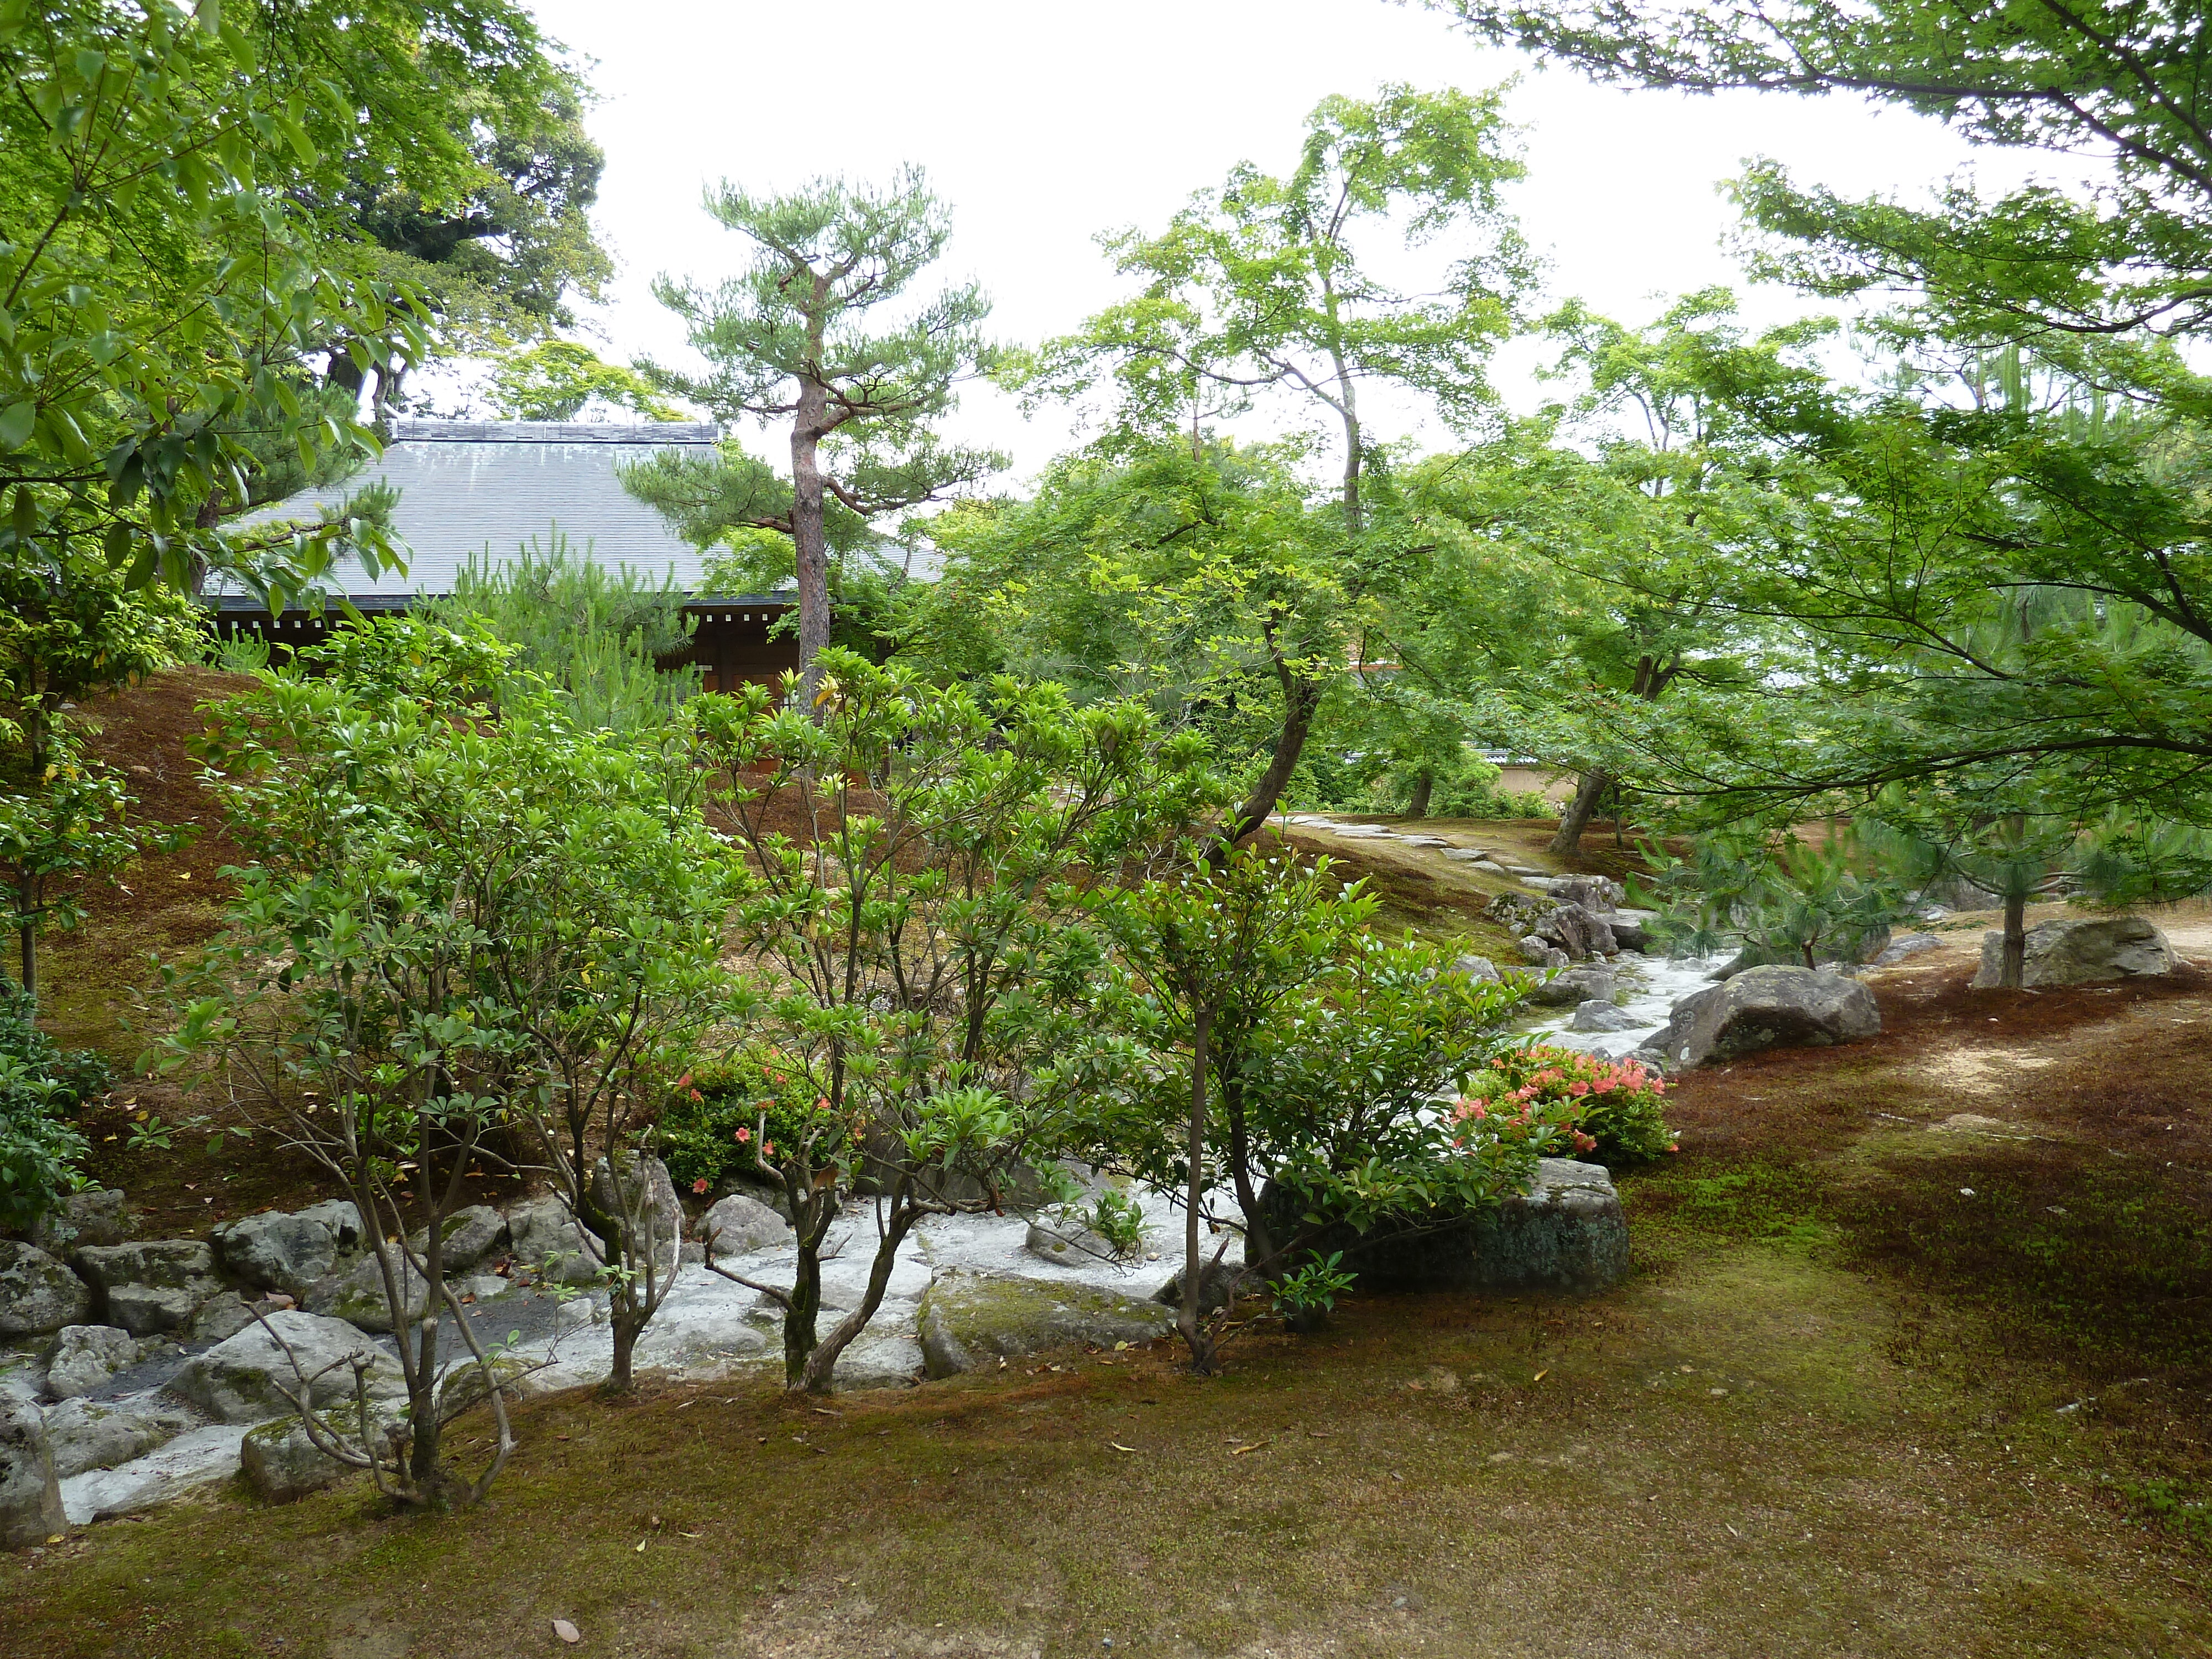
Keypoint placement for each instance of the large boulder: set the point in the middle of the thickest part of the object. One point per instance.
(236, 1380)
(2088, 951)
(1565, 1231)
(282, 1463)
(1578, 931)
(1905, 946)
(358, 1295)
(274, 1251)
(87, 1356)
(342, 1217)
(87, 1436)
(1767, 1007)
(467, 1237)
(550, 1245)
(1574, 986)
(1538, 954)
(94, 1216)
(1602, 1016)
(37, 1293)
(739, 1223)
(647, 1185)
(30, 1492)
(967, 1320)
(152, 1287)
(1481, 970)
(1599, 895)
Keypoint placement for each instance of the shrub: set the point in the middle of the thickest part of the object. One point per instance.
(1613, 1107)
(724, 1111)
(40, 1086)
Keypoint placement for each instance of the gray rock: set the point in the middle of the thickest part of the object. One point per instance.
(1068, 1242)
(701, 1343)
(548, 1241)
(1630, 935)
(1600, 1017)
(93, 1216)
(1907, 945)
(1578, 931)
(1598, 895)
(223, 1315)
(1766, 1007)
(30, 1492)
(1567, 1232)
(84, 1435)
(1219, 1285)
(151, 1287)
(967, 1320)
(86, 1356)
(283, 1464)
(1538, 954)
(342, 1216)
(358, 1295)
(2081, 952)
(651, 1201)
(37, 1293)
(738, 1225)
(1481, 970)
(470, 1236)
(274, 1251)
(879, 1361)
(1574, 987)
(236, 1380)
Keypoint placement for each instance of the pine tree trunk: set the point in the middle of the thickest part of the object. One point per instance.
(1576, 818)
(2013, 969)
(810, 545)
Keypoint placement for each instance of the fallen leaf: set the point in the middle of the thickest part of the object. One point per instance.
(566, 1631)
(693, 1535)
(1541, 1375)
(1254, 1447)
(1118, 1446)
(641, 1546)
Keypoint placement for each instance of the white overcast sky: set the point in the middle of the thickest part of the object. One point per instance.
(1043, 123)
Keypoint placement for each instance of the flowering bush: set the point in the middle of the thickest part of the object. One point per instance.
(713, 1129)
(1608, 1106)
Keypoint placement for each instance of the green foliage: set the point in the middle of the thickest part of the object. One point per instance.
(163, 278)
(925, 965)
(1783, 899)
(454, 925)
(553, 379)
(62, 827)
(724, 1112)
(1289, 1044)
(40, 1086)
(1613, 1109)
(596, 635)
(1311, 1289)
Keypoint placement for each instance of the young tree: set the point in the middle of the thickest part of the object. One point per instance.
(923, 865)
(1294, 1050)
(792, 337)
(1260, 286)
(1209, 585)
(553, 379)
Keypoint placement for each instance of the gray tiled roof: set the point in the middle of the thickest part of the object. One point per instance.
(470, 487)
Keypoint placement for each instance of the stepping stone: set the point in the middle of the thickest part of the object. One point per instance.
(1425, 840)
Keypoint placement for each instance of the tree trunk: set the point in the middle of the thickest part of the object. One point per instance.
(810, 547)
(1301, 700)
(1577, 816)
(815, 1374)
(1425, 784)
(1187, 1321)
(2013, 969)
(799, 1317)
(27, 934)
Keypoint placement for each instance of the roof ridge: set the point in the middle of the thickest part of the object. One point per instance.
(660, 433)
